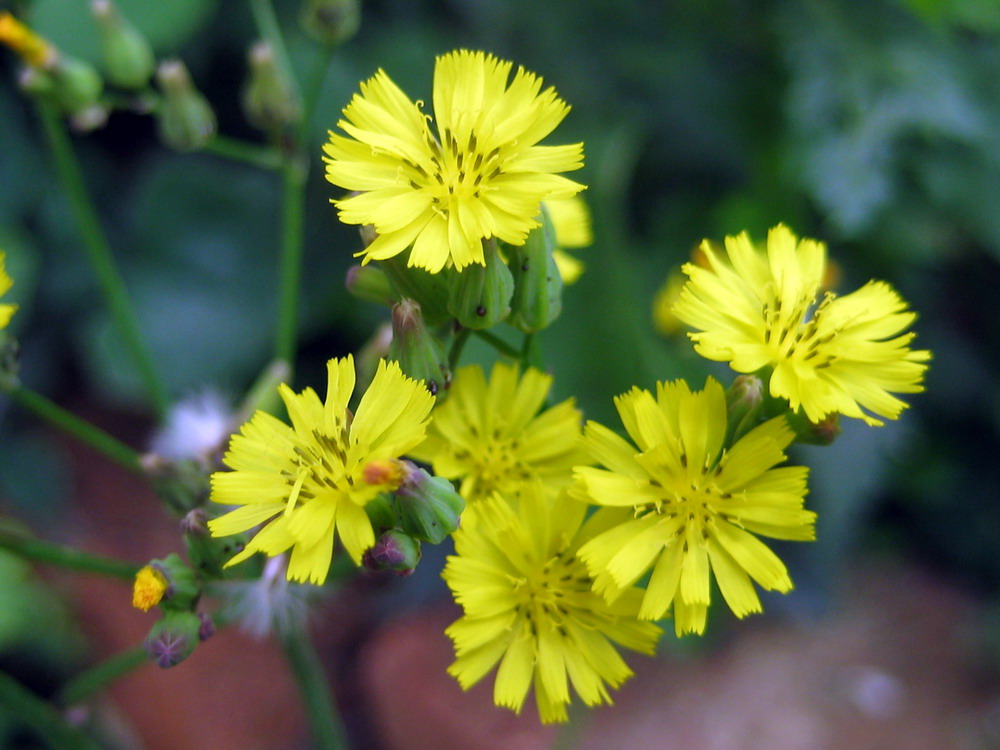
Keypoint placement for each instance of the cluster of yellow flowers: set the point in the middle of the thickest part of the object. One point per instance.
(575, 539)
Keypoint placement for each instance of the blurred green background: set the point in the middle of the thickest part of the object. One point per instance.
(874, 126)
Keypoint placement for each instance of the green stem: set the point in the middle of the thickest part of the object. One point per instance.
(101, 675)
(293, 177)
(79, 428)
(245, 152)
(461, 337)
(41, 716)
(499, 344)
(328, 732)
(99, 252)
(531, 352)
(66, 557)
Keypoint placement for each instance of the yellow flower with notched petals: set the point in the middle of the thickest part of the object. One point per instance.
(493, 437)
(692, 508)
(529, 607)
(309, 482)
(482, 176)
(760, 309)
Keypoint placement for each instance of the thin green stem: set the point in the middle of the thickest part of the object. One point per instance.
(41, 716)
(531, 352)
(65, 557)
(253, 154)
(293, 174)
(327, 729)
(99, 252)
(499, 344)
(102, 674)
(461, 337)
(79, 428)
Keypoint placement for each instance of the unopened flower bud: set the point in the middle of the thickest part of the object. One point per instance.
(744, 402)
(331, 21)
(381, 514)
(823, 432)
(429, 508)
(35, 81)
(429, 290)
(269, 100)
(173, 638)
(182, 589)
(538, 286)
(385, 472)
(370, 284)
(420, 353)
(128, 57)
(479, 297)
(76, 85)
(32, 48)
(148, 588)
(207, 628)
(183, 484)
(186, 120)
(394, 550)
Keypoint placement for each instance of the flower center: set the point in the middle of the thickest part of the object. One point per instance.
(321, 466)
(794, 334)
(462, 169)
(548, 592)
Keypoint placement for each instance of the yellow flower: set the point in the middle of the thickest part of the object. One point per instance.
(32, 48)
(693, 507)
(758, 309)
(149, 587)
(570, 219)
(6, 311)
(482, 177)
(312, 480)
(492, 437)
(529, 606)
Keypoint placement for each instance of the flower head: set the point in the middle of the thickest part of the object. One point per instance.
(6, 311)
(308, 482)
(491, 436)
(529, 606)
(482, 176)
(760, 308)
(693, 508)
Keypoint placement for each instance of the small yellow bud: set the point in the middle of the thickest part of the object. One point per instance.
(383, 471)
(149, 588)
(32, 48)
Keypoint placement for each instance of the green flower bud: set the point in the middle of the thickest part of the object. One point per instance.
(269, 101)
(173, 638)
(537, 284)
(744, 404)
(128, 58)
(479, 297)
(76, 85)
(430, 290)
(429, 508)
(381, 514)
(330, 21)
(208, 554)
(183, 590)
(823, 432)
(420, 353)
(183, 484)
(394, 550)
(370, 284)
(186, 121)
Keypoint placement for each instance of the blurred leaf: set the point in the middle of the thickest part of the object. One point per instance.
(71, 27)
